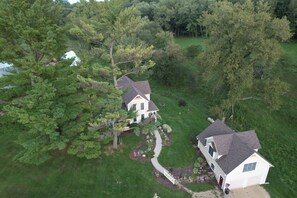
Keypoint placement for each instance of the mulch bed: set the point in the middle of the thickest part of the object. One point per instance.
(134, 153)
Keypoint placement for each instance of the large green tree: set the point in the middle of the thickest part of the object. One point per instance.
(54, 105)
(109, 31)
(242, 49)
(30, 30)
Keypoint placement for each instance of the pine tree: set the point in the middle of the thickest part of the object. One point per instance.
(53, 104)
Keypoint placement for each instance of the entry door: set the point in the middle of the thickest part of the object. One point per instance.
(221, 181)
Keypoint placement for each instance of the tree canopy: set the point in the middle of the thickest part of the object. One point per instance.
(55, 105)
(242, 50)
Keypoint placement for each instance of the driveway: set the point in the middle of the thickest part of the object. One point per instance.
(250, 192)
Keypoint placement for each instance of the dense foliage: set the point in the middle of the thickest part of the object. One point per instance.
(241, 53)
(56, 105)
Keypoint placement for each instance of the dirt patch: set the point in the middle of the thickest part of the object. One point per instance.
(253, 191)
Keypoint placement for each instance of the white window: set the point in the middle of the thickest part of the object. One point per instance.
(133, 107)
(210, 151)
(212, 166)
(142, 106)
(249, 167)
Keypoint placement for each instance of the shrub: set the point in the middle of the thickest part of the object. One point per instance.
(193, 50)
(167, 128)
(196, 164)
(195, 170)
(182, 103)
(200, 159)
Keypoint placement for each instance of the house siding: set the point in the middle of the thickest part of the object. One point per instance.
(138, 102)
(239, 179)
(217, 169)
(148, 96)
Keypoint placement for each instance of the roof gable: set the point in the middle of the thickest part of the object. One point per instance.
(133, 88)
(218, 127)
(131, 94)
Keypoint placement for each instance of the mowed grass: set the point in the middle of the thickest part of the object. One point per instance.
(66, 176)
(277, 130)
(186, 123)
(184, 42)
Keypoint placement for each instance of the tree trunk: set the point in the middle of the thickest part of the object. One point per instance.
(113, 66)
(115, 81)
(201, 30)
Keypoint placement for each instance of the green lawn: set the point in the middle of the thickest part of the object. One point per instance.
(200, 187)
(65, 176)
(186, 123)
(184, 42)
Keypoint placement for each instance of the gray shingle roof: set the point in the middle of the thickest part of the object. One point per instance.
(152, 106)
(222, 143)
(143, 86)
(234, 147)
(132, 89)
(238, 152)
(131, 94)
(216, 128)
(124, 82)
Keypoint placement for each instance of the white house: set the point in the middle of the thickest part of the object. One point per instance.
(137, 96)
(233, 156)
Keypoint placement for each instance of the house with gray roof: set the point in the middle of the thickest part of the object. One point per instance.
(137, 96)
(233, 156)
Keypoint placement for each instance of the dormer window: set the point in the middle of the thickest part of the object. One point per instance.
(210, 151)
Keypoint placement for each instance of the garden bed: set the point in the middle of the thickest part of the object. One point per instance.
(198, 173)
(144, 151)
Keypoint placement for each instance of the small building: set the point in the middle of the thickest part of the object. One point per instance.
(233, 156)
(137, 96)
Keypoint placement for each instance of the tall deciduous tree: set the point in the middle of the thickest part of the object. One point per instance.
(244, 38)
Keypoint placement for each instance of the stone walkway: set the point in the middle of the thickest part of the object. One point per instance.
(157, 151)
(158, 166)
